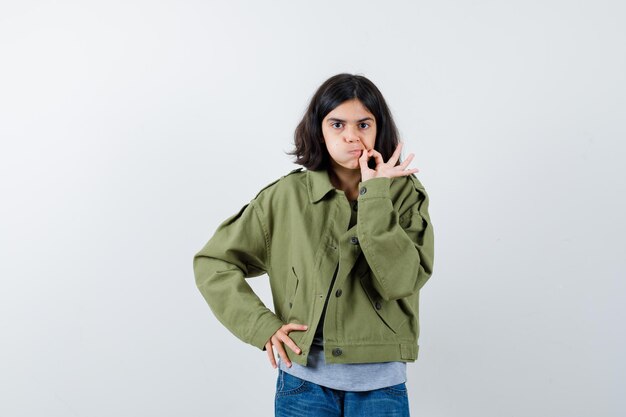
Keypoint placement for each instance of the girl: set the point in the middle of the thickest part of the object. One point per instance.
(347, 245)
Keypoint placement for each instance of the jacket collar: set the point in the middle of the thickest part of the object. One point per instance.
(318, 183)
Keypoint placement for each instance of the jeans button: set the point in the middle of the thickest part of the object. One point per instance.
(354, 240)
(337, 352)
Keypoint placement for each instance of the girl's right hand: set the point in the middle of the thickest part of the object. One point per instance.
(280, 337)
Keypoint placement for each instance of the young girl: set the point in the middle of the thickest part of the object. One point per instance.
(347, 245)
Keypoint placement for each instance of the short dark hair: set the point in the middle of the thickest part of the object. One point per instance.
(310, 149)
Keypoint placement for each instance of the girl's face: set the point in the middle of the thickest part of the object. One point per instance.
(348, 129)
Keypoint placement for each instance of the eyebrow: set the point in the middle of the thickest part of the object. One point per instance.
(333, 119)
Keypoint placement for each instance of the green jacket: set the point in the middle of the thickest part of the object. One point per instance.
(296, 230)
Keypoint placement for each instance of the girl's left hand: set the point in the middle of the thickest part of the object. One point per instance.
(387, 169)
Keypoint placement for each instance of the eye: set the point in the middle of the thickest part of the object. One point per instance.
(366, 124)
(336, 123)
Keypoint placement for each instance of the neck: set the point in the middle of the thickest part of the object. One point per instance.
(346, 180)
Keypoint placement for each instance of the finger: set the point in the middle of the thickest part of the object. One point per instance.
(404, 173)
(270, 353)
(287, 340)
(286, 329)
(409, 172)
(293, 326)
(407, 161)
(404, 164)
(281, 351)
(396, 154)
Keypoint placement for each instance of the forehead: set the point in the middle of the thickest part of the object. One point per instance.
(351, 110)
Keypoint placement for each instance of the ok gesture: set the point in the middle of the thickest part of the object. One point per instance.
(385, 169)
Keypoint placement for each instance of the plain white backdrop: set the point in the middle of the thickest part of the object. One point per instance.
(130, 129)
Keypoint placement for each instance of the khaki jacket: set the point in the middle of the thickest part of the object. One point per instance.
(296, 230)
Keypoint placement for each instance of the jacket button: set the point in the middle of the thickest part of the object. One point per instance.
(378, 305)
(354, 240)
(337, 352)
(338, 292)
(363, 190)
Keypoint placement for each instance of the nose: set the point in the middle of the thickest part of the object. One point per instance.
(351, 134)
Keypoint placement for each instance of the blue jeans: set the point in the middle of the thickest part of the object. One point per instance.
(296, 397)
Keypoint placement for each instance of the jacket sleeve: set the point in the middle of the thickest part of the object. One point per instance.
(399, 247)
(239, 249)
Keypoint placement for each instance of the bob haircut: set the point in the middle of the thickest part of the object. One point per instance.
(310, 148)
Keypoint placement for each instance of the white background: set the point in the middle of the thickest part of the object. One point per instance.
(130, 129)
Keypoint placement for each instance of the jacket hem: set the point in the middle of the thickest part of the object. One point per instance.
(362, 353)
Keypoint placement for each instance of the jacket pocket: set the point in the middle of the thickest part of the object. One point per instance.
(291, 290)
(389, 312)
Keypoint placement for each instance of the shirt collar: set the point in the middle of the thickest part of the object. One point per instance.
(318, 183)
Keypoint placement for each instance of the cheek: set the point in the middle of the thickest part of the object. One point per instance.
(333, 147)
(330, 141)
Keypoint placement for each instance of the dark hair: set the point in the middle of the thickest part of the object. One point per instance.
(310, 149)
